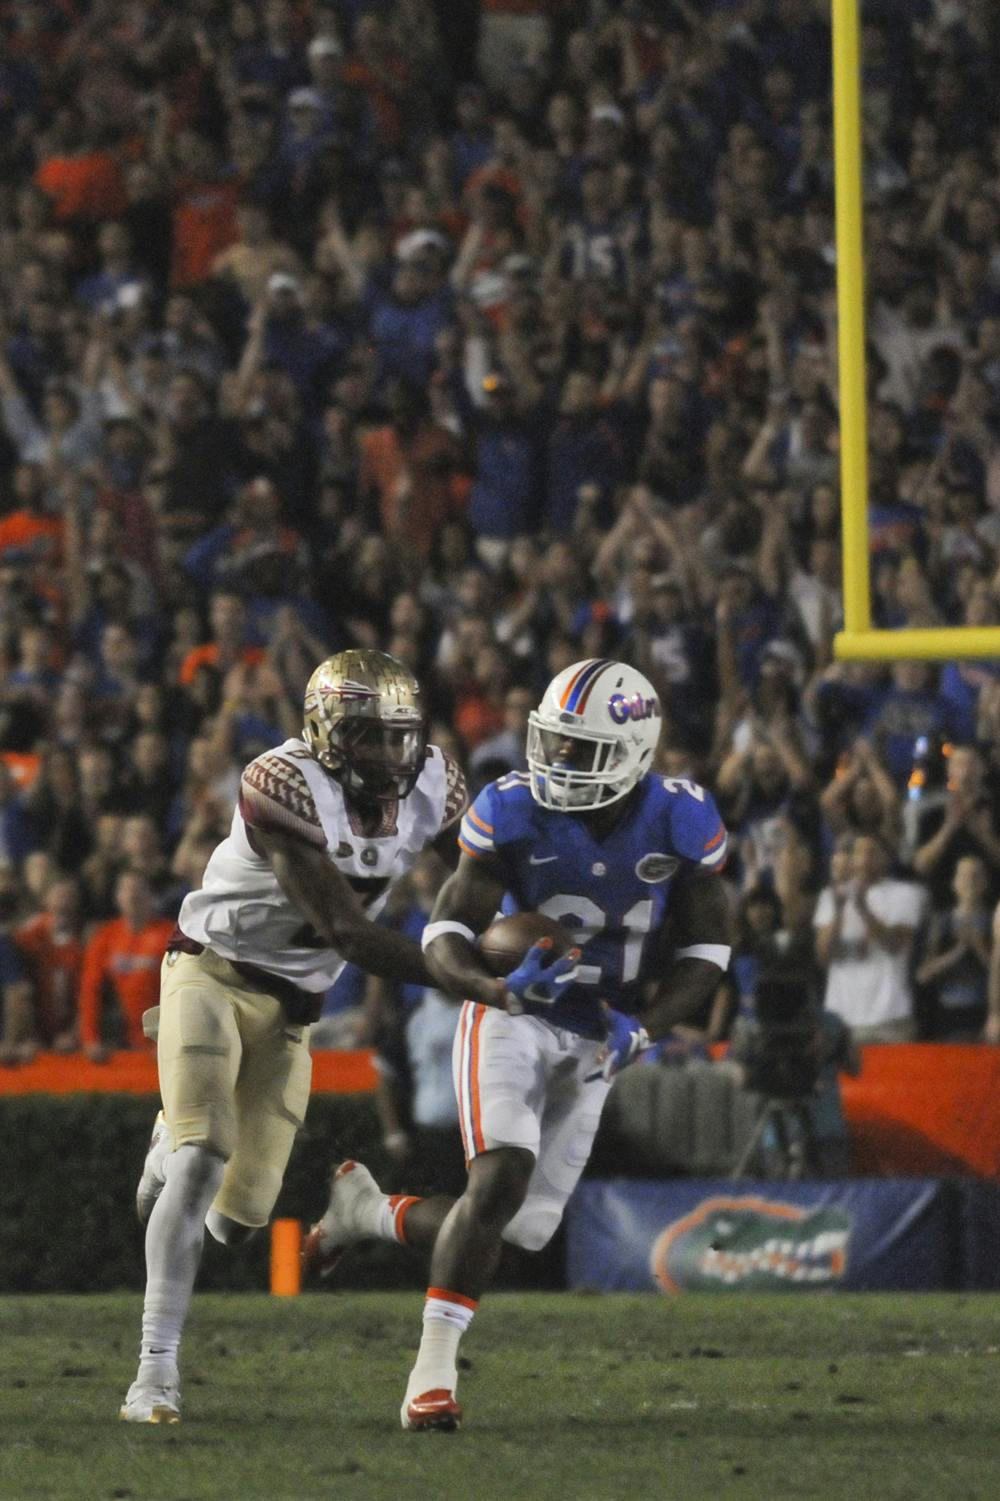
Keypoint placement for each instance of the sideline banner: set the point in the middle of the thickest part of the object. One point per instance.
(335, 1071)
(717, 1235)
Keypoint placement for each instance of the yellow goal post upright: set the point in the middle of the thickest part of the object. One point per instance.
(858, 641)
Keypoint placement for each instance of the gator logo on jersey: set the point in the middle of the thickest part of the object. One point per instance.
(626, 710)
(653, 869)
(752, 1244)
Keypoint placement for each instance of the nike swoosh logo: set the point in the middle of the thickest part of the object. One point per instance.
(541, 859)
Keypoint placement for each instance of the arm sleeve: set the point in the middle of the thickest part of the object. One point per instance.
(697, 830)
(478, 834)
(275, 796)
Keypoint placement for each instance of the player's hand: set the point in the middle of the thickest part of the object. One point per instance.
(539, 978)
(627, 1038)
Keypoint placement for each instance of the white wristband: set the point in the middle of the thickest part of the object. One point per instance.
(714, 953)
(439, 929)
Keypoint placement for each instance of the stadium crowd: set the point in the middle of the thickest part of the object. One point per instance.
(494, 341)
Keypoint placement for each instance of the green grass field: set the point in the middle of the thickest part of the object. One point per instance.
(566, 1396)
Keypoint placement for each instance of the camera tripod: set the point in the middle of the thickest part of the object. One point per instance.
(792, 1146)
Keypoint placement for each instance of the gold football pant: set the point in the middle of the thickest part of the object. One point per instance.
(234, 1077)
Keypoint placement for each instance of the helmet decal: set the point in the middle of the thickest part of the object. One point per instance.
(577, 692)
(348, 691)
(623, 709)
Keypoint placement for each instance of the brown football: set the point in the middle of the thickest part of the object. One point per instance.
(508, 939)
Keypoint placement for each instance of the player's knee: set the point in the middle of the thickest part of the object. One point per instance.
(196, 1170)
(226, 1231)
(497, 1184)
(533, 1226)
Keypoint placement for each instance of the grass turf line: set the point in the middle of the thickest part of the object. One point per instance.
(566, 1395)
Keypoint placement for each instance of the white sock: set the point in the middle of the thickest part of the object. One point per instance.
(447, 1315)
(174, 1238)
(379, 1215)
(390, 1217)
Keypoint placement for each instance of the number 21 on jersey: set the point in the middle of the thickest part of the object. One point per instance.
(586, 919)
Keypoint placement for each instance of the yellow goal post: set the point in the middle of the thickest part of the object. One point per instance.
(859, 641)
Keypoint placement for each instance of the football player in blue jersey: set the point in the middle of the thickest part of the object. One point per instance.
(625, 860)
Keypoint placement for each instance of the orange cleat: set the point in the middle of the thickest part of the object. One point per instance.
(436, 1410)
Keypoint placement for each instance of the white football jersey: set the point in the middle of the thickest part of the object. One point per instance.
(242, 913)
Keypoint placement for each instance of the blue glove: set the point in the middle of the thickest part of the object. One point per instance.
(626, 1039)
(535, 981)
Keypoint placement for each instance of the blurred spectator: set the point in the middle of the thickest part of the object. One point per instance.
(228, 646)
(30, 535)
(759, 941)
(54, 803)
(584, 448)
(254, 553)
(52, 945)
(409, 467)
(19, 1040)
(99, 868)
(910, 709)
(19, 833)
(758, 786)
(862, 798)
(205, 196)
(503, 498)
(140, 849)
(147, 780)
(962, 822)
(505, 750)
(955, 968)
(121, 966)
(254, 715)
(865, 931)
(256, 256)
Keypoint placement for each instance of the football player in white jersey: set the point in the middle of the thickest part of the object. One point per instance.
(626, 861)
(324, 824)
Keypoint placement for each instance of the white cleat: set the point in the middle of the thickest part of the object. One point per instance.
(161, 1144)
(351, 1215)
(151, 1404)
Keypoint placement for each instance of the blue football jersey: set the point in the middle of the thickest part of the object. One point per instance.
(611, 893)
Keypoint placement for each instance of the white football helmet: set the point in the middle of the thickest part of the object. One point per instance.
(364, 722)
(593, 735)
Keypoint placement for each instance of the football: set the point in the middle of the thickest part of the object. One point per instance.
(508, 939)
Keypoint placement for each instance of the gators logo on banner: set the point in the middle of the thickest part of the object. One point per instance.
(753, 1244)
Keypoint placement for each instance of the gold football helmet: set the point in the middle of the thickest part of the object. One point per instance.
(365, 724)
